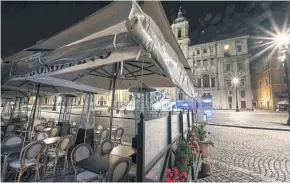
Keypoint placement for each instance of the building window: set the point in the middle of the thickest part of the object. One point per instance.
(211, 61)
(230, 99)
(228, 67)
(243, 94)
(206, 81)
(180, 96)
(198, 63)
(193, 62)
(205, 62)
(242, 82)
(204, 50)
(239, 48)
(260, 84)
(240, 66)
(193, 53)
(211, 50)
(212, 82)
(227, 50)
(199, 82)
(229, 82)
(266, 81)
(98, 102)
(179, 32)
(198, 52)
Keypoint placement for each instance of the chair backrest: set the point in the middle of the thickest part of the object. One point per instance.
(100, 127)
(50, 124)
(10, 128)
(106, 147)
(13, 140)
(119, 133)
(64, 143)
(31, 151)
(43, 120)
(41, 136)
(80, 152)
(54, 131)
(119, 170)
(104, 134)
(39, 127)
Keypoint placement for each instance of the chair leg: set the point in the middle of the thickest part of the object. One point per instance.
(54, 167)
(19, 175)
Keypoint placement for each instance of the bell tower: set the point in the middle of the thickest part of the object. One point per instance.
(180, 28)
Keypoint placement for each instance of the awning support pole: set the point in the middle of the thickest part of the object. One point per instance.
(34, 110)
(113, 98)
(112, 105)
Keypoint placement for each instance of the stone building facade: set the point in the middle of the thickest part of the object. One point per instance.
(214, 65)
(269, 82)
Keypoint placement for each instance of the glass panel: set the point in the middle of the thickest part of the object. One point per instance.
(155, 138)
(175, 126)
(155, 172)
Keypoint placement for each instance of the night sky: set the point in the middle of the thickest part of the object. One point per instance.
(25, 23)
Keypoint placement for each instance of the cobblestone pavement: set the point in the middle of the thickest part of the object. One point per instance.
(260, 119)
(263, 152)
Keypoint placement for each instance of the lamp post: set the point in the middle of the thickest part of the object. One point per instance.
(283, 43)
(236, 83)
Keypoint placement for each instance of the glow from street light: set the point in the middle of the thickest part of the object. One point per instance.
(235, 80)
(281, 40)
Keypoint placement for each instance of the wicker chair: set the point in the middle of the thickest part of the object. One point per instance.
(104, 134)
(106, 147)
(50, 124)
(13, 140)
(10, 130)
(39, 127)
(41, 136)
(118, 171)
(118, 135)
(43, 121)
(80, 152)
(29, 157)
(61, 150)
(54, 131)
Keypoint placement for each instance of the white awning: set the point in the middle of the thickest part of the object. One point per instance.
(136, 42)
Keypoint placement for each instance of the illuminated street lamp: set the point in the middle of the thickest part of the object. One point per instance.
(236, 83)
(282, 41)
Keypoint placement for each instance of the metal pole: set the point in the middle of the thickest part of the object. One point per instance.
(288, 91)
(34, 109)
(237, 103)
(54, 104)
(140, 173)
(112, 105)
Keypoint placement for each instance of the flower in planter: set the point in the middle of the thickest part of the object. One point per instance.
(174, 175)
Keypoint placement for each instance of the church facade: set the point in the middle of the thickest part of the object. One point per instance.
(214, 65)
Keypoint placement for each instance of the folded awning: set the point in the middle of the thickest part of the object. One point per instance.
(124, 39)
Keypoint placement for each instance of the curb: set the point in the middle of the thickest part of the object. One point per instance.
(249, 127)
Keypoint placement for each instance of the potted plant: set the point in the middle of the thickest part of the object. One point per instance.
(182, 157)
(181, 170)
(204, 144)
(205, 167)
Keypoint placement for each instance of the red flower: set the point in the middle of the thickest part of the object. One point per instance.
(167, 171)
(184, 174)
(168, 179)
(175, 170)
